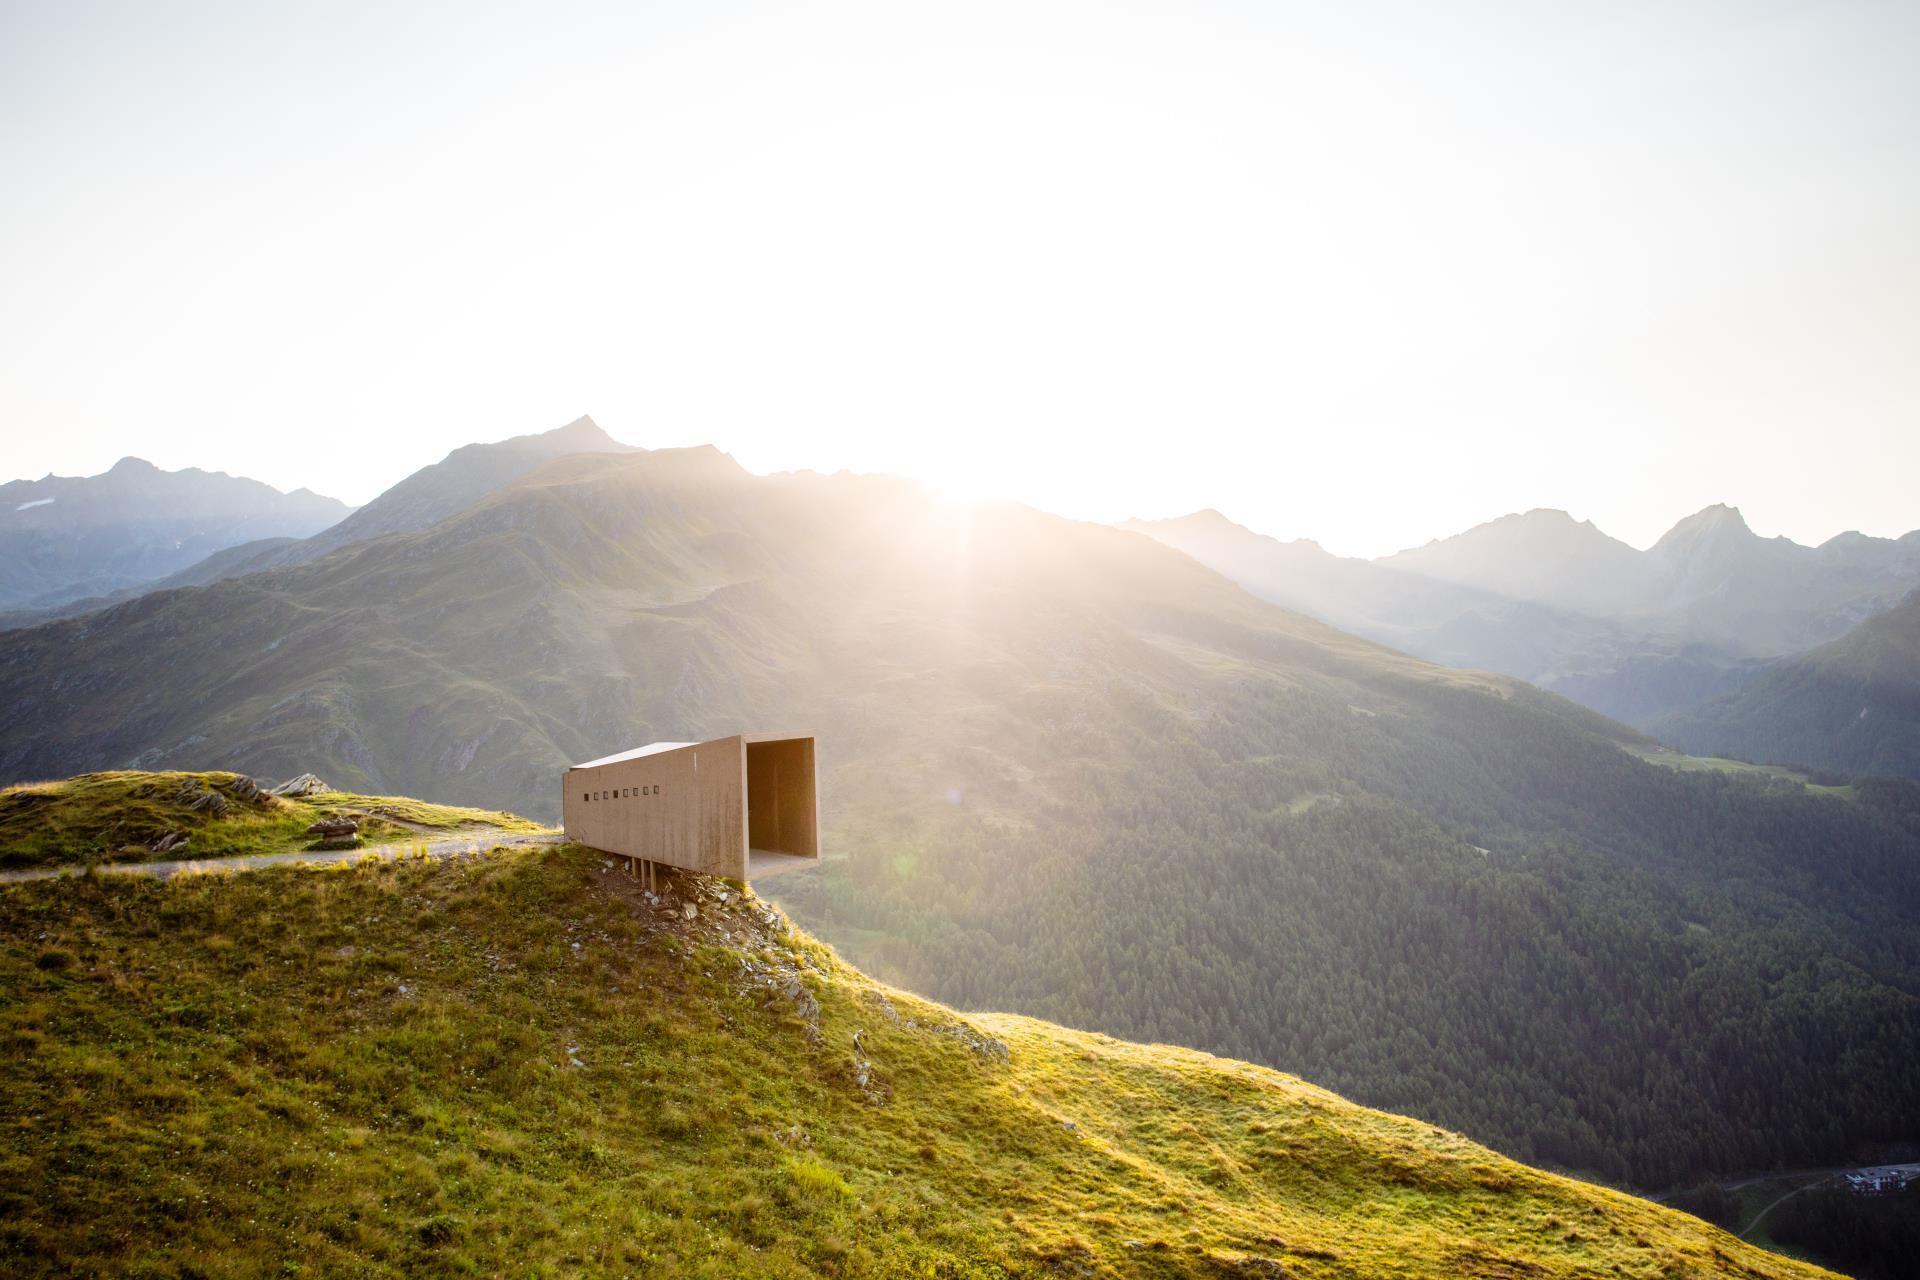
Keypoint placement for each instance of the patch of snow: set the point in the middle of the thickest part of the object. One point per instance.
(37, 502)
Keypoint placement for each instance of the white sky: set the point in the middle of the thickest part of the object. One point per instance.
(1366, 272)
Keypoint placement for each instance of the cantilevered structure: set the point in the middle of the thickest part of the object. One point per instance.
(742, 807)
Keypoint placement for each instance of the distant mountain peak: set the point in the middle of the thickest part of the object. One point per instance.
(458, 481)
(583, 435)
(1543, 555)
(1210, 522)
(1205, 518)
(1850, 539)
(1717, 526)
(1718, 516)
(132, 466)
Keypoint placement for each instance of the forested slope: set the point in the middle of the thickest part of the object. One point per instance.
(1852, 706)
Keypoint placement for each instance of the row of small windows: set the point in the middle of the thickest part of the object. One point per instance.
(621, 793)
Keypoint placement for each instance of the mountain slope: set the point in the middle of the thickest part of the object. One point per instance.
(1616, 668)
(429, 495)
(1772, 596)
(1631, 634)
(1544, 556)
(517, 1064)
(453, 484)
(230, 562)
(1384, 604)
(1852, 705)
(65, 537)
(1072, 772)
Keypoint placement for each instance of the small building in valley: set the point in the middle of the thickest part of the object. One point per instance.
(1882, 1179)
(743, 807)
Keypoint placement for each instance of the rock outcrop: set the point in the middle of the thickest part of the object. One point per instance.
(336, 833)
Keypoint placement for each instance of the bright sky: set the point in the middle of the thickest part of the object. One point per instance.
(1366, 272)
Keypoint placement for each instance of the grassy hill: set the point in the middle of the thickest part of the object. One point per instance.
(1852, 705)
(125, 816)
(518, 1064)
(1071, 772)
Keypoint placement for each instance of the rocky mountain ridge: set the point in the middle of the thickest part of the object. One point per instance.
(63, 538)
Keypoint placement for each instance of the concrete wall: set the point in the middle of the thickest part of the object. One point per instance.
(686, 807)
(782, 816)
(701, 807)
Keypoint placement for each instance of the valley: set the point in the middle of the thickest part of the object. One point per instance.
(1072, 773)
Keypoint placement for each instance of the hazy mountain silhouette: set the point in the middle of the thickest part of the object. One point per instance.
(65, 537)
(453, 484)
(1544, 556)
(432, 493)
(1632, 634)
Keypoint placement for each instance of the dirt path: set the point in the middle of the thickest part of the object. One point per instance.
(1747, 1231)
(447, 845)
(408, 823)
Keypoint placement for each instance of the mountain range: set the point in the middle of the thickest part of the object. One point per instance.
(1072, 771)
(1634, 634)
(1638, 636)
(64, 538)
(457, 481)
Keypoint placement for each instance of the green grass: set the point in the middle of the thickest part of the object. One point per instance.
(512, 1065)
(116, 816)
(406, 810)
(1672, 759)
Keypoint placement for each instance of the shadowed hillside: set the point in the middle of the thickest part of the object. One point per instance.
(1852, 705)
